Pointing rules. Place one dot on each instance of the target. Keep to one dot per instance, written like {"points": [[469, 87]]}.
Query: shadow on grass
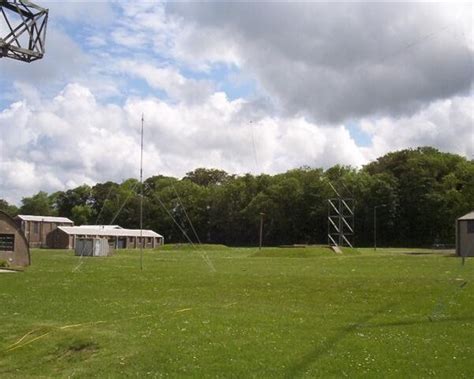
{"points": [[298, 367], [427, 320]]}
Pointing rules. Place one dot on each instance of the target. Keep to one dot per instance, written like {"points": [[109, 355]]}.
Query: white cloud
{"points": [[446, 124], [95, 13], [168, 79], [145, 26], [74, 139], [202, 47]]}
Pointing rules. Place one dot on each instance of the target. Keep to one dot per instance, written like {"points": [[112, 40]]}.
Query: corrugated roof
{"points": [[101, 226], [99, 231], [469, 216], [44, 218]]}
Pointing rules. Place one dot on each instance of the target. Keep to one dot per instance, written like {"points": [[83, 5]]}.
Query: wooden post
{"points": [[261, 231]]}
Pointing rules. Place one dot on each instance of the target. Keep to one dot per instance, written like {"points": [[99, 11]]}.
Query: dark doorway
{"points": [[122, 243]]}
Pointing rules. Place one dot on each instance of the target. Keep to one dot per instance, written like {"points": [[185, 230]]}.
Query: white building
{"points": [[118, 238]]}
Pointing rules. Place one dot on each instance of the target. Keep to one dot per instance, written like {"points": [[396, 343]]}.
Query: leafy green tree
{"points": [[64, 202], [433, 190], [40, 204], [81, 214], [9, 209], [102, 197], [207, 176], [423, 191]]}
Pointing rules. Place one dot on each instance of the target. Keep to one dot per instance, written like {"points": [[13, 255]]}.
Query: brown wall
{"points": [[20, 256], [38, 233], [465, 240], [149, 242], [58, 239]]}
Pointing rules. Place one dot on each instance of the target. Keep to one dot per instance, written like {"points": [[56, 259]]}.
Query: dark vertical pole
{"points": [[261, 231], [341, 225], [329, 224], [375, 228], [375, 223], [141, 196], [41, 232]]}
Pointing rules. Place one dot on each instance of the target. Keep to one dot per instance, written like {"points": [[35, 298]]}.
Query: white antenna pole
{"points": [[141, 196]]}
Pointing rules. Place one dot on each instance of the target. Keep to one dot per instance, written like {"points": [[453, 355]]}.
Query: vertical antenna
{"points": [[141, 196]]}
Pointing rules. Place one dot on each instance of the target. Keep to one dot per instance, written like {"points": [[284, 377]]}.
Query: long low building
{"points": [[64, 237]]}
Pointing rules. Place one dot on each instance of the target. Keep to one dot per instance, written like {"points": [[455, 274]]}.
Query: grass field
{"points": [[241, 313]]}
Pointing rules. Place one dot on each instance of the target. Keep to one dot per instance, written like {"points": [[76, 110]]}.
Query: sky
{"points": [[242, 86]]}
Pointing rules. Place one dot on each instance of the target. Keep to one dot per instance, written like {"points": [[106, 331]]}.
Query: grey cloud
{"points": [[63, 59], [332, 62], [90, 12]]}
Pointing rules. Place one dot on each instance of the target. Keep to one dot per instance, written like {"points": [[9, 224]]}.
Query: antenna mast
{"points": [[141, 195], [22, 30], [340, 219]]}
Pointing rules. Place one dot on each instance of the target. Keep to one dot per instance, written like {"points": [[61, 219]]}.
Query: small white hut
{"points": [[92, 247]]}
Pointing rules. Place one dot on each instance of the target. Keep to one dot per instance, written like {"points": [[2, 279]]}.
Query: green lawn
{"points": [[239, 313]]}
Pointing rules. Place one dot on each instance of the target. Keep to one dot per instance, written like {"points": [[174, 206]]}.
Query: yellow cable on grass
{"points": [[18, 344], [28, 342], [22, 338], [183, 310]]}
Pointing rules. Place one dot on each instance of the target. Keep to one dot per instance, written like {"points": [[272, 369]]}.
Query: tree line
{"points": [[419, 193]]}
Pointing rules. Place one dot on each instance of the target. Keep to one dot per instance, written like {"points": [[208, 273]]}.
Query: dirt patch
{"points": [[77, 349]]}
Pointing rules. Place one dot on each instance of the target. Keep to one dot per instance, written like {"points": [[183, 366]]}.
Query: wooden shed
{"points": [[465, 235], [14, 249]]}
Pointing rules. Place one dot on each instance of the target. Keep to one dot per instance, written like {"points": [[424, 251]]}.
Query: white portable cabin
{"points": [[117, 237], [92, 247]]}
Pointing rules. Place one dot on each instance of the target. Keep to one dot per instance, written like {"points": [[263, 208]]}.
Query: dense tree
{"points": [[39, 204], [422, 192], [9, 209], [81, 214], [431, 192], [207, 177], [65, 202]]}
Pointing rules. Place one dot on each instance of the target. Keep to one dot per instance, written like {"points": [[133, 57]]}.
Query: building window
{"points": [[35, 227], [470, 226], [7, 242]]}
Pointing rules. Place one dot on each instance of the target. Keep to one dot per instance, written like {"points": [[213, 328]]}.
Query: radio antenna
{"points": [[141, 195]]}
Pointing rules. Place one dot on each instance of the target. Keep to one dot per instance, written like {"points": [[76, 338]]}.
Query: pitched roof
{"points": [[97, 230], [44, 218], [469, 216]]}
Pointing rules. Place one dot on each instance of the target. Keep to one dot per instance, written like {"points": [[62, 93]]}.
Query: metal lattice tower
{"points": [[22, 30], [340, 220]]}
